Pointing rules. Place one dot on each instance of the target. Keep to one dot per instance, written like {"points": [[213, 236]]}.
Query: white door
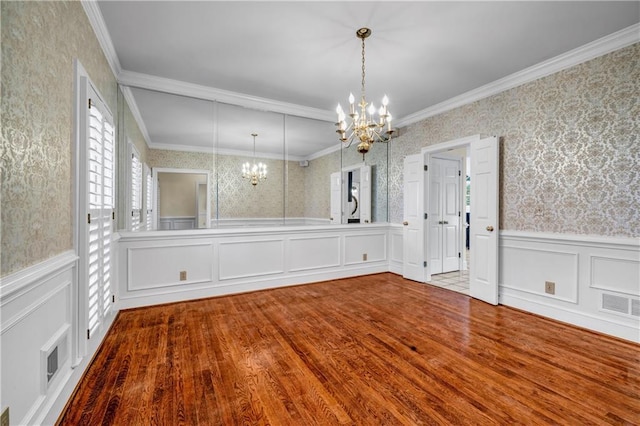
{"points": [[336, 191], [444, 215], [413, 235], [483, 282], [451, 215], [365, 194]]}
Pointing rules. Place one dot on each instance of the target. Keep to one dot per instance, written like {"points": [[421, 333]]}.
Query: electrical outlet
{"points": [[4, 418], [183, 275], [364, 257], [550, 287]]}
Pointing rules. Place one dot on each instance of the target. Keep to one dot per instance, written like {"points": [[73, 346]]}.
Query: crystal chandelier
{"points": [[255, 172], [363, 126]]}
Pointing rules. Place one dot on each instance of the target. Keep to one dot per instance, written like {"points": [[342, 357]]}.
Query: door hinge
{"points": [[426, 216], [113, 298], [459, 255], [113, 215], [425, 264], [89, 103], [426, 168], [88, 217], [459, 214], [88, 334], [459, 173]]}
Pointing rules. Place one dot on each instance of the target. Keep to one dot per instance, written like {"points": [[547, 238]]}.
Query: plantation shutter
{"points": [[100, 167], [148, 198], [136, 191]]}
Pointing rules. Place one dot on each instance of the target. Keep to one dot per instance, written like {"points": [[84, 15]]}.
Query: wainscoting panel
{"points": [[597, 279], [538, 266], [396, 257], [616, 274], [250, 258], [161, 266], [307, 253], [227, 261], [36, 313], [365, 248]]}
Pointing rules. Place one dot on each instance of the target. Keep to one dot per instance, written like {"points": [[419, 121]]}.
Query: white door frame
{"points": [[427, 152], [156, 192]]}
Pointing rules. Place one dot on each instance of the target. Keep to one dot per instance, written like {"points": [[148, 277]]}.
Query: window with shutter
{"points": [[136, 190], [148, 198], [99, 158]]}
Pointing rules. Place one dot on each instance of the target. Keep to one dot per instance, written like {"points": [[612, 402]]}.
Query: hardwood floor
{"points": [[364, 351]]}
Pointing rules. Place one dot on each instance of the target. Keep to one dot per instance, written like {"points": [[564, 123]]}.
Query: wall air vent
{"points": [[611, 302], [54, 356]]}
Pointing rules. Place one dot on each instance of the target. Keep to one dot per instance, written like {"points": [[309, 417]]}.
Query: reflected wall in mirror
{"points": [[179, 132], [182, 199], [375, 167]]}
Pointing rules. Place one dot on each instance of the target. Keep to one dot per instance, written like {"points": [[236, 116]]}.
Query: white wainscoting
{"points": [[36, 312], [221, 261], [176, 222], [586, 271], [396, 257]]}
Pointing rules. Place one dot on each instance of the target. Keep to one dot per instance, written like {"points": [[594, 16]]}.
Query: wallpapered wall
{"points": [[570, 154], [39, 42], [236, 197]]}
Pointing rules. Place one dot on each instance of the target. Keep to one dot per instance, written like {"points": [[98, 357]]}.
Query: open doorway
{"points": [[449, 208]]}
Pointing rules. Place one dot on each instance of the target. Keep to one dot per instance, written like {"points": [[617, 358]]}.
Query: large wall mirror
{"points": [[214, 141]]}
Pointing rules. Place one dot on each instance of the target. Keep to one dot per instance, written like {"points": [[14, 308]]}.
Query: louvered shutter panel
{"points": [[100, 166], [149, 198], [136, 192]]}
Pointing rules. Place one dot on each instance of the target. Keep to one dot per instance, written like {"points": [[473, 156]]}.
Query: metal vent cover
{"points": [[611, 302]]}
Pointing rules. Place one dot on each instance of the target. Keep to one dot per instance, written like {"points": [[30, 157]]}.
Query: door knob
{"points": [[405, 223], [445, 222], [490, 228]]}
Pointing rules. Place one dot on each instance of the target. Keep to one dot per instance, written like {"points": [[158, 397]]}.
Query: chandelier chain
{"points": [[363, 73]]}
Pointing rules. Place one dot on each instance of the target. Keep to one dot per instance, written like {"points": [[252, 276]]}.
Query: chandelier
{"points": [[255, 172], [364, 127]]}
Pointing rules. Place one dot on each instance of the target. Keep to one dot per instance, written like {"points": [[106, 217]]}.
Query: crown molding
{"points": [[602, 46], [233, 152], [177, 87], [135, 111], [92, 10], [324, 152]]}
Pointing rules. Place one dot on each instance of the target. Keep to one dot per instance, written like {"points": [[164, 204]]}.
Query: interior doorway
{"points": [[449, 210], [481, 261]]}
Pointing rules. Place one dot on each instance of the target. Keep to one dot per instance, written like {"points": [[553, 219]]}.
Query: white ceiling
{"points": [[306, 53]]}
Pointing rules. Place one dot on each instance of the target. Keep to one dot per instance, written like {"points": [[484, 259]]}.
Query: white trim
{"points": [[235, 152], [602, 46], [324, 152], [176, 87], [92, 10], [574, 239], [19, 282], [135, 111]]}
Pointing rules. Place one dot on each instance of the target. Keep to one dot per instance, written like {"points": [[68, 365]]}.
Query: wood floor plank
{"points": [[368, 350]]}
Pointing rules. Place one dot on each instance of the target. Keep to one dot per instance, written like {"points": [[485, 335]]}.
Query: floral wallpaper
{"points": [[39, 43], [570, 154], [317, 202]]}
